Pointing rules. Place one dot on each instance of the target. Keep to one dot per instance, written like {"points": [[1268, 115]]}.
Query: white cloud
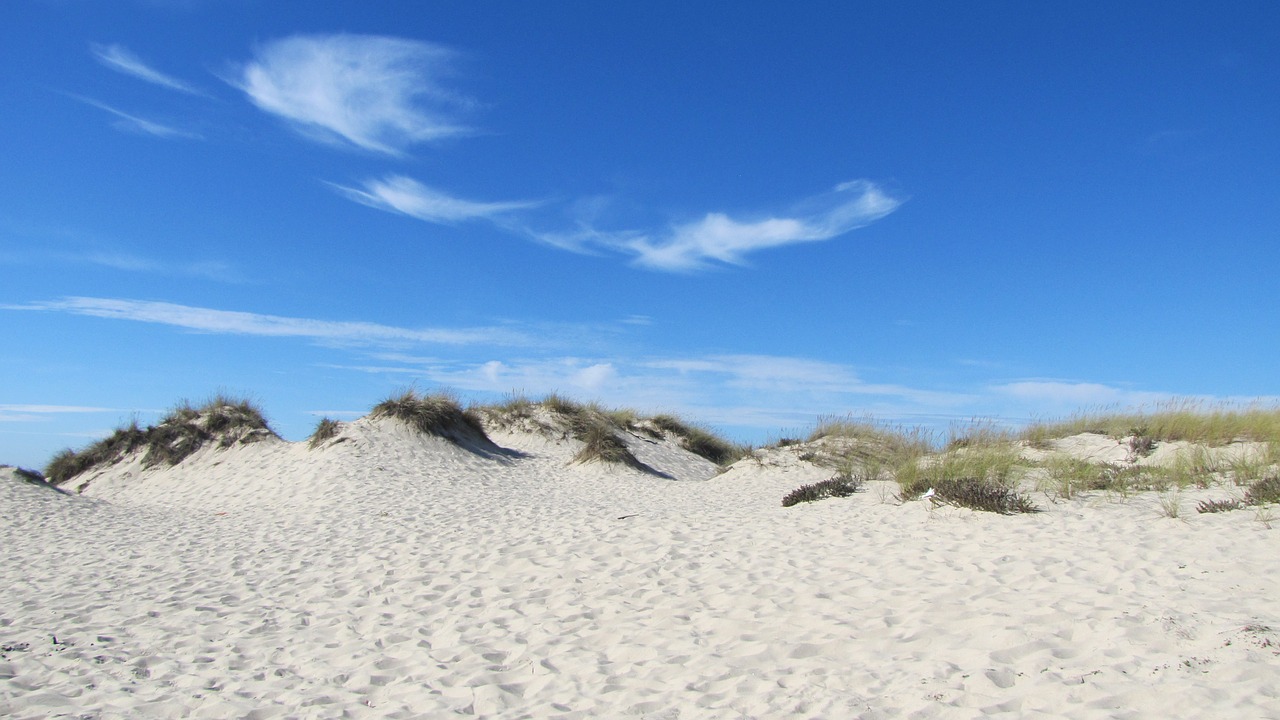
{"points": [[40, 413], [133, 123], [211, 270], [745, 391], [244, 323], [594, 377], [400, 194], [119, 58], [719, 238], [378, 93], [1054, 394]]}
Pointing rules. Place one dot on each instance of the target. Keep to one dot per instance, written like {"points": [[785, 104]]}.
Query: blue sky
{"points": [[751, 214]]}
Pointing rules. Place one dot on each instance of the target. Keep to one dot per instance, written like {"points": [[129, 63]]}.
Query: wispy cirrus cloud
{"points": [[209, 270], [120, 59], [38, 413], [718, 239], [1054, 395], [377, 93], [135, 124], [231, 322], [400, 194], [764, 392]]}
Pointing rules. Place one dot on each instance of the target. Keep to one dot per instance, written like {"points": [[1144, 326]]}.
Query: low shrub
{"points": [[842, 485], [1141, 444], [1266, 490], [980, 494], [1261, 492], [1217, 506]]}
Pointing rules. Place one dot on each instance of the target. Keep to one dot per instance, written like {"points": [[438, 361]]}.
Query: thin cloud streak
{"points": [[406, 196], [210, 270], [1058, 395], [45, 409], [380, 94], [718, 239], [120, 59], [245, 323], [133, 123]]}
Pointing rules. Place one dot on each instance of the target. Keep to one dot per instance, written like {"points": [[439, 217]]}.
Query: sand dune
{"points": [[390, 574]]}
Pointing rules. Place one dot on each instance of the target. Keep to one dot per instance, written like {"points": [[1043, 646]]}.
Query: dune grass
{"points": [[591, 422], [984, 476], [183, 431], [26, 475], [700, 441], [1195, 421], [438, 415], [325, 430]]}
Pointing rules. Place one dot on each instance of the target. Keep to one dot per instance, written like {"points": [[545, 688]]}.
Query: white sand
{"points": [[392, 575]]}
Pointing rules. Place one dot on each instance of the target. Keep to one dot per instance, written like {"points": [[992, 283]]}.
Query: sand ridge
{"points": [[388, 574]]}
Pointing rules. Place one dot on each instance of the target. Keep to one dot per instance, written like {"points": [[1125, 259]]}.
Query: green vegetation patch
{"points": [[1213, 425], [178, 435], [325, 430], [699, 441], [1261, 492], [438, 415], [842, 485]]}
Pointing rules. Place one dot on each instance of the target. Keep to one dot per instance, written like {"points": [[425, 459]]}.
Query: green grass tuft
{"points": [[180, 433], [325, 430], [1194, 421], [699, 441], [438, 415]]}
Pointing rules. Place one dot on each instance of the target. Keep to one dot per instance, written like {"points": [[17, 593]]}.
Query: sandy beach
{"points": [[390, 574]]}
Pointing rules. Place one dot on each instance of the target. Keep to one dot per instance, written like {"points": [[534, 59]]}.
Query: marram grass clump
{"points": [[325, 430], [600, 444], [842, 485], [1191, 420], [178, 435], [699, 441], [438, 415], [600, 429]]}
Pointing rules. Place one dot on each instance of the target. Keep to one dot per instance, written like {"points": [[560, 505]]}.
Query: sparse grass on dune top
{"points": [[180, 433], [326, 429], [1190, 420], [438, 414], [699, 441], [589, 422]]}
